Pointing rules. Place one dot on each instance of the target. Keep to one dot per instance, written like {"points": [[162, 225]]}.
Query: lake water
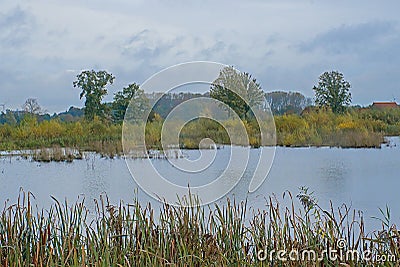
{"points": [[366, 179]]}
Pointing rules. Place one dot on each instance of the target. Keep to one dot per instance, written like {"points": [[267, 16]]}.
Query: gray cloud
{"points": [[147, 45], [16, 27], [216, 48], [351, 38], [286, 45]]}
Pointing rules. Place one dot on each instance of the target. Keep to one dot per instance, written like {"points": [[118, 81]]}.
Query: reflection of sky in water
{"points": [[183, 178], [366, 179]]}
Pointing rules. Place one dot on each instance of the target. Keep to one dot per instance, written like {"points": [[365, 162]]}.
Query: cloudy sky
{"points": [[285, 44]]}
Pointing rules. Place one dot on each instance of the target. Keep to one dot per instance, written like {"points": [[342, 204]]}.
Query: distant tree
{"points": [[167, 102], [32, 106], [122, 99], [75, 112], [67, 118], [287, 102], [93, 84], [240, 91], [9, 118], [333, 91]]}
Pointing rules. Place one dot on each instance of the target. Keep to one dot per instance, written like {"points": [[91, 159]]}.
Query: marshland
{"points": [[334, 180], [199, 133], [358, 128], [127, 227], [232, 234]]}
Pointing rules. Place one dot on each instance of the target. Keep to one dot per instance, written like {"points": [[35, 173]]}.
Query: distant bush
{"points": [[357, 128], [31, 134]]}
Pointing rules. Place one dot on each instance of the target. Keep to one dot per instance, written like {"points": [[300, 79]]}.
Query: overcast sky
{"points": [[286, 45]]}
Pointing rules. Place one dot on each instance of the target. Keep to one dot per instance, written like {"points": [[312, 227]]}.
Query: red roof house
{"points": [[385, 105]]}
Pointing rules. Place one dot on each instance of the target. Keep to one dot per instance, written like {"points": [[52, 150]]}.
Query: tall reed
{"points": [[187, 234]]}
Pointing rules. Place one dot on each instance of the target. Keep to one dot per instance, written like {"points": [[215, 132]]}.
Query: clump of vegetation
{"points": [[193, 132], [57, 154], [186, 234], [97, 135], [356, 128]]}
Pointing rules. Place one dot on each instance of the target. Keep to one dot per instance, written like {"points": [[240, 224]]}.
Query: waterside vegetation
{"points": [[189, 234], [359, 127]]}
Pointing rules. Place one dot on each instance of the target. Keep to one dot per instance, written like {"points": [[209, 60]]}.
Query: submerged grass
{"points": [[219, 235]]}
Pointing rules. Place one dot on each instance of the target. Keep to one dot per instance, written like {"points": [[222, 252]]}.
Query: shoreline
{"points": [[68, 154]]}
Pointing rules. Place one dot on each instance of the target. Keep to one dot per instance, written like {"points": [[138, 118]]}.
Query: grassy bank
{"points": [[356, 128], [228, 235], [97, 135]]}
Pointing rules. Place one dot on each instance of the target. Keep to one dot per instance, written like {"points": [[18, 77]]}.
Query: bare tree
{"points": [[32, 106]]}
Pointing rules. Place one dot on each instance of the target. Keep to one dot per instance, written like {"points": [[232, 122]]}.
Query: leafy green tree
{"points": [[240, 91], [140, 103], [333, 91], [93, 84]]}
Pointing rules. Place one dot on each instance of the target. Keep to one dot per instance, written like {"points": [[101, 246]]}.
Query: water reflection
{"points": [[334, 173]]}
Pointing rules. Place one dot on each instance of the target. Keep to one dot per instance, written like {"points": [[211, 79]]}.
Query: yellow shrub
{"points": [[290, 123], [348, 125], [49, 129]]}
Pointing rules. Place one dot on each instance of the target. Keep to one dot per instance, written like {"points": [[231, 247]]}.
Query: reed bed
{"points": [[358, 128], [186, 234]]}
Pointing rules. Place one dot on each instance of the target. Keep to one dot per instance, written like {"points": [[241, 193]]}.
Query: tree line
{"points": [[240, 91]]}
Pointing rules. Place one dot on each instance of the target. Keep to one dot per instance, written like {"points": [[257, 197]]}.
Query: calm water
{"points": [[366, 179]]}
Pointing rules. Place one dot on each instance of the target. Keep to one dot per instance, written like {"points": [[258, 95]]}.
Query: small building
{"points": [[384, 105]]}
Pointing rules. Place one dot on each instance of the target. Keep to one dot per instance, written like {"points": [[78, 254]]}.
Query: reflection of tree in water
{"points": [[334, 175], [335, 170], [95, 178]]}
